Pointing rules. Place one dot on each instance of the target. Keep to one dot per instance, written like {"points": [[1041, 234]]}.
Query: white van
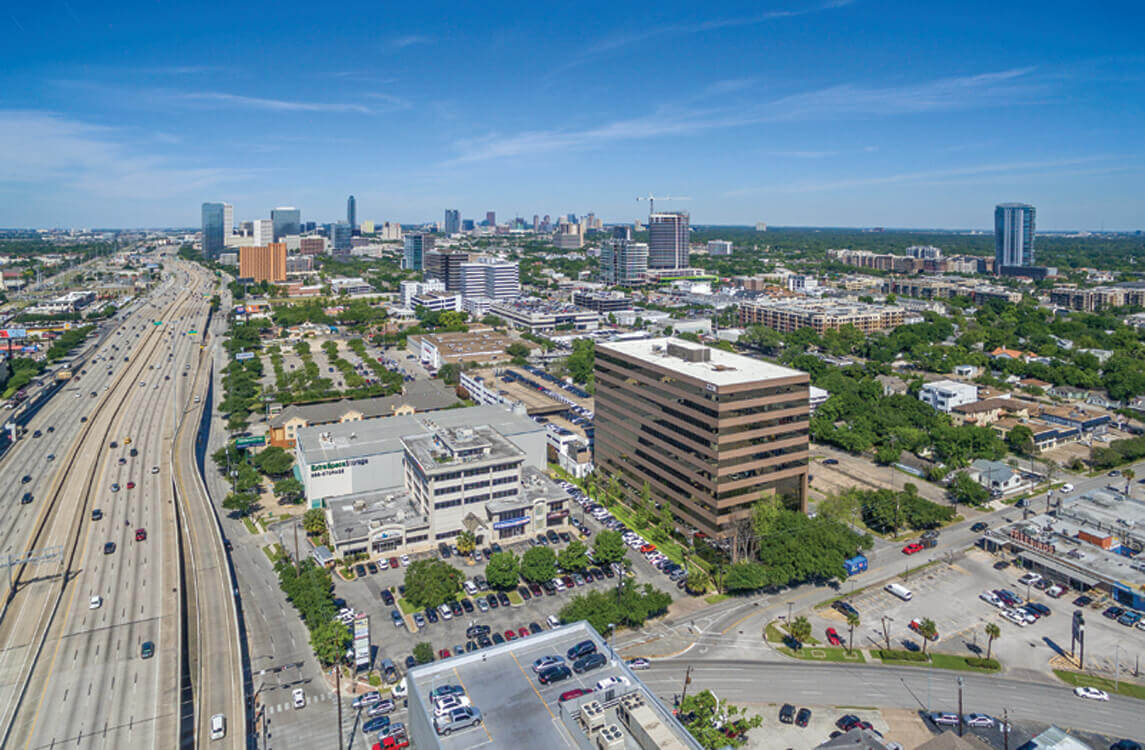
{"points": [[218, 727], [902, 592]]}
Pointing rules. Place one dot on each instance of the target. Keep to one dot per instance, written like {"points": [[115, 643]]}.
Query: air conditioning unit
{"points": [[591, 716], [610, 738]]}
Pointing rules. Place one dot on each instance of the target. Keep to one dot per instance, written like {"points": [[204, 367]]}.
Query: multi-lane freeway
{"points": [[93, 635]]}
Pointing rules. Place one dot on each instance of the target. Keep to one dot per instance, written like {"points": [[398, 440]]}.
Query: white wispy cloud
{"points": [[409, 40], [46, 148], [849, 100], [619, 41], [278, 105]]}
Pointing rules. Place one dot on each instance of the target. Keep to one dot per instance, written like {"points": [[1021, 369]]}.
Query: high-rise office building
{"points": [[286, 220], [215, 229], [668, 238], [468, 225], [228, 221], [415, 248], [536, 222], [262, 232], [710, 432], [491, 278], [246, 228], [452, 221], [622, 261], [491, 218], [1014, 232], [445, 265], [263, 263], [352, 212], [340, 238]]}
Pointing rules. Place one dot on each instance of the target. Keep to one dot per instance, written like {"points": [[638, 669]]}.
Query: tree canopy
{"points": [[431, 583]]}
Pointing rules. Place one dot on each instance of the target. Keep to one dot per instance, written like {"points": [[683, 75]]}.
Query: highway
{"points": [[70, 673]]}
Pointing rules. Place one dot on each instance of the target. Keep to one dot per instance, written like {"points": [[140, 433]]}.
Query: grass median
{"points": [[1077, 679]]}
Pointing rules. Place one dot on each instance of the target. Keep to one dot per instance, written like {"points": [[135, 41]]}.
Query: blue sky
{"points": [[843, 113]]}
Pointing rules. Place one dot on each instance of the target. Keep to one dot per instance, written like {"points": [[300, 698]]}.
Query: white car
{"points": [[447, 703], [545, 662], [1067, 488], [1091, 693], [404, 559], [990, 598], [611, 682], [1014, 616], [154, 469], [299, 698], [639, 663], [979, 720], [95, 603]]}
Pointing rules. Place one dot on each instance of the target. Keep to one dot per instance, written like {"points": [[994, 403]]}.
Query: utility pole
{"points": [[297, 561], [338, 697], [959, 706], [687, 681], [1005, 729], [886, 633]]}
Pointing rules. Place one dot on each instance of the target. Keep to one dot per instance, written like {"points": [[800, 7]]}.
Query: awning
{"points": [[1060, 568]]}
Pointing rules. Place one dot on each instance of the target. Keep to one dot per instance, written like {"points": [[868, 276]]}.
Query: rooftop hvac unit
{"points": [[592, 716], [631, 701], [610, 738]]}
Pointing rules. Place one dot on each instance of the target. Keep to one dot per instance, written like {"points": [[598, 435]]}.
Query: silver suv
{"points": [[458, 718]]}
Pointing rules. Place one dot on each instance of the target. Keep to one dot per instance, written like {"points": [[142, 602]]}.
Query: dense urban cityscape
{"points": [[684, 377]]}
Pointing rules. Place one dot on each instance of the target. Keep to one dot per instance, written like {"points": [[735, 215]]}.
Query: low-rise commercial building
{"points": [[719, 247], [821, 315], [408, 483], [602, 302], [436, 301], [351, 285], [541, 316], [437, 349]]}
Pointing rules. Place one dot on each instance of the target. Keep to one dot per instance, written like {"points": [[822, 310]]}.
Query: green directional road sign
{"points": [[247, 442]]}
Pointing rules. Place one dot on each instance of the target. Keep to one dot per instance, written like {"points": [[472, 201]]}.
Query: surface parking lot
{"points": [[949, 595], [517, 711]]}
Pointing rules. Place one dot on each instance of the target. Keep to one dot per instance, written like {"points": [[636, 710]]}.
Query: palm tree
{"points": [[852, 622], [1128, 474], [800, 629], [992, 632], [466, 542], [927, 629]]}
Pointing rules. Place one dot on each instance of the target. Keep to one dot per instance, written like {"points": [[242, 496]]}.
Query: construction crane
{"points": [[653, 198]]}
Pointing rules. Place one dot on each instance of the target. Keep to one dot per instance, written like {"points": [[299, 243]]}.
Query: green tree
{"points": [[450, 374], [517, 349], [800, 629], [928, 630], [288, 490], [1020, 439], [745, 576], [241, 503], [314, 521], [539, 564], [697, 580], [582, 360], [466, 542], [993, 632], [329, 641], [609, 547], [423, 653], [503, 570], [431, 583], [965, 490], [705, 716], [574, 557]]}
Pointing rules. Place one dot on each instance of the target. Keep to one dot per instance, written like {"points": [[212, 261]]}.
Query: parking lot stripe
{"points": [[534, 687], [462, 683]]}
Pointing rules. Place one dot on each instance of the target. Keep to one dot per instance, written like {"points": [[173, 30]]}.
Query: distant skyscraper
{"points": [[668, 238], [622, 232], [214, 229], [352, 212], [536, 222], [491, 218], [287, 220], [228, 221], [1013, 235], [467, 225], [452, 221], [340, 238], [416, 246], [262, 231]]}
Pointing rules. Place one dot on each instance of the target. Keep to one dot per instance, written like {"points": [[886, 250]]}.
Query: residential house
{"points": [[995, 476], [944, 395]]}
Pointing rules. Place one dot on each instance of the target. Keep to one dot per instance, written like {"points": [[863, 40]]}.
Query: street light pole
{"points": [[959, 706]]}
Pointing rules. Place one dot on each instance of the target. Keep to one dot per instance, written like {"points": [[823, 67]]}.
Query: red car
{"points": [[911, 548], [444, 654], [510, 635], [394, 562], [140, 534], [131, 485], [914, 625], [833, 637], [523, 632], [568, 695]]}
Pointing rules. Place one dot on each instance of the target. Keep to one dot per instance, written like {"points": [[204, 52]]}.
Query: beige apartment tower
{"points": [[267, 263], [711, 432]]}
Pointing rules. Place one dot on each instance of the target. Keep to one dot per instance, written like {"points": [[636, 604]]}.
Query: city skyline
{"points": [[798, 113]]}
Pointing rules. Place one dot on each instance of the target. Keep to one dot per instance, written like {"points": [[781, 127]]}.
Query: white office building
{"points": [[491, 278], [411, 289], [719, 247], [263, 232], [944, 395]]}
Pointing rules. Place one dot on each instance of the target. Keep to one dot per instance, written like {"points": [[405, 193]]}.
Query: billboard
{"points": [[243, 356], [13, 333], [511, 523], [362, 640]]}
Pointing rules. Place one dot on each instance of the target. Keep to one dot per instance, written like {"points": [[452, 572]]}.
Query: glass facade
{"points": [[214, 229], [1014, 230], [286, 220]]}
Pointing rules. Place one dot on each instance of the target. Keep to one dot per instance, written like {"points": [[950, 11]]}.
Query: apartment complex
{"points": [[711, 432], [719, 247], [919, 259], [822, 315], [668, 237], [932, 287], [1014, 231], [1098, 298], [266, 263], [623, 262]]}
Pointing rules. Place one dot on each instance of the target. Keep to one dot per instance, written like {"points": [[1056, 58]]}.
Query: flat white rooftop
{"points": [[719, 368]]}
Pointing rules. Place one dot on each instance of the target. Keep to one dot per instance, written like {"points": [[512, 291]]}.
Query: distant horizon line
{"points": [[770, 227]]}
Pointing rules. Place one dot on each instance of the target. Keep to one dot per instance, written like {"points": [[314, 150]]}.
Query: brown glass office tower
{"points": [[710, 431]]}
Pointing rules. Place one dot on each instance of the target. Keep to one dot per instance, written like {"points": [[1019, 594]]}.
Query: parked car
{"points": [[787, 714]]}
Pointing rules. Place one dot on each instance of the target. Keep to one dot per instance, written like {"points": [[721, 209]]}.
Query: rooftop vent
{"points": [[592, 716], [610, 738], [689, 353]]}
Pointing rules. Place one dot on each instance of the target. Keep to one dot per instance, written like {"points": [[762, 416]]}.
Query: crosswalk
{"points": [[275, 708]]}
